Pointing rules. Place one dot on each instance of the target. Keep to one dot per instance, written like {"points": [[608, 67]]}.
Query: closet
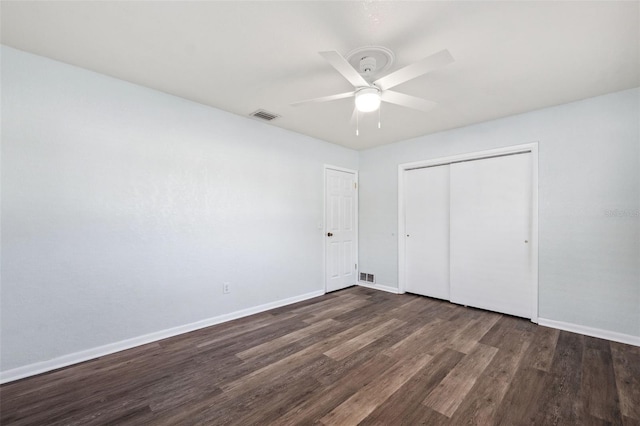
{"points": [[468, 231]]}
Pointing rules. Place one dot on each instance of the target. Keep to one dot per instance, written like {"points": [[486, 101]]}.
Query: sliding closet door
{"points": [[427, 231], [490, 233]]}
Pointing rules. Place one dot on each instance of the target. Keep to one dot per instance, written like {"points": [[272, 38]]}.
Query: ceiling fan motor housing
{"points": [[377, 59], [368, 65]]}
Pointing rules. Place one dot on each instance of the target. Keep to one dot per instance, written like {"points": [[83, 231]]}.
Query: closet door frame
{"points": [[515, 149]]}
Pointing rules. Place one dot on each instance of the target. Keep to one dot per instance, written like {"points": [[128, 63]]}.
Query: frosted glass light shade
{"points": [[367, 100]]}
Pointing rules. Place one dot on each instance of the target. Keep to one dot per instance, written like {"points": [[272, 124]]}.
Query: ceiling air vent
{"points": [[264, 115]]}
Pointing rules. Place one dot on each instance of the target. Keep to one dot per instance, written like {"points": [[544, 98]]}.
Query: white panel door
{"points": [[490, 232], [427, 231], [340, 229]]}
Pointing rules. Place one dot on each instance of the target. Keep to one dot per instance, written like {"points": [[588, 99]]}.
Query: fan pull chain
{"points": [[357, 123], [379, 108]]}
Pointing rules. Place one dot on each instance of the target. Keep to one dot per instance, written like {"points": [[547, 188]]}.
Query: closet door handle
{"points": [[329, 234]]}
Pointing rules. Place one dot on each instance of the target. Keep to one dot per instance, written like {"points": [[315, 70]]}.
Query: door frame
{"points": [[324, 221], [478, 155]]}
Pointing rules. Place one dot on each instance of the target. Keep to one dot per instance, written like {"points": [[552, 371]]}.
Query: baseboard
{"points": [[86, 355], [386, 288], [589, 331]]}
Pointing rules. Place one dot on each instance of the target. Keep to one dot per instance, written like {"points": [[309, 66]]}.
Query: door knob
{"points": [[329, 234]]}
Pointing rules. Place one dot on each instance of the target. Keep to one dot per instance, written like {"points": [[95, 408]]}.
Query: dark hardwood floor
{"points": [[356, 356]]}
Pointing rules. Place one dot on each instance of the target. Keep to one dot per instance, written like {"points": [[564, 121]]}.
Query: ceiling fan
{"points": [[368, 95]]}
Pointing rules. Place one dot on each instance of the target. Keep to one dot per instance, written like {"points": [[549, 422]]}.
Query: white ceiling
{"points": [[511, 57]]}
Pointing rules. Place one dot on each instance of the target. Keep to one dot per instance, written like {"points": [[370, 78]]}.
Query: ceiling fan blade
{"points": [[344, 67], [325, 98], [430, 63], [407, 101]]}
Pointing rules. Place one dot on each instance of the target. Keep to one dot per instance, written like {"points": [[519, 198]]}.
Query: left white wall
{"points": [[125, 209]]}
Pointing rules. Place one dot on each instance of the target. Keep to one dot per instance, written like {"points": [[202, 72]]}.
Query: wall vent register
{"points": [[369, 278]]}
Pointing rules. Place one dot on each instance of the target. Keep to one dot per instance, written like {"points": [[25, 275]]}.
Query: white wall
{"points": [[125, 209], [589, 164]]}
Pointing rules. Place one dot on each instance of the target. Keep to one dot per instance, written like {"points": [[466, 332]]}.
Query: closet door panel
{"points": [[427, 231], [490, 229]]}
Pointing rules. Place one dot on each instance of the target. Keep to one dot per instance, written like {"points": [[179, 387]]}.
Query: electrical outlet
{"points": [[226, 288]]}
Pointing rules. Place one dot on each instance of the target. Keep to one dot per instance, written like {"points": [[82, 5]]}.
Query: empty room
{"points": [[320, 212]]}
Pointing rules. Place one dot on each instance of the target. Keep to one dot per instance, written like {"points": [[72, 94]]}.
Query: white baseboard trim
{"points": [[593, 332], [386, 288], [77, 357]]}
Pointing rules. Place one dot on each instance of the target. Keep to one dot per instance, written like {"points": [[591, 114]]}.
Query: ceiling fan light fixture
{"points": [[367, 99]]}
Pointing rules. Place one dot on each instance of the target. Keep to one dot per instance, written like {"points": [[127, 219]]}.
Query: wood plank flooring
{"points": [[356, 356]]}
